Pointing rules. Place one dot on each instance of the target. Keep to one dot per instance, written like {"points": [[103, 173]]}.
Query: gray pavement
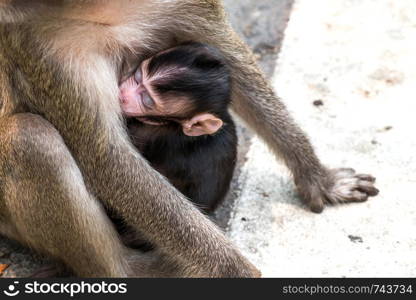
{"points": [[261, 24], [356, 58]]}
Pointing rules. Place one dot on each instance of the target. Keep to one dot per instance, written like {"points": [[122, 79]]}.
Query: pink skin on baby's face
{"points": [[131, 98], [138, 100], [135, 98]]}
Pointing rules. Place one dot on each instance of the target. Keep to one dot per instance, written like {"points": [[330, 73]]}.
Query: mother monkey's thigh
{"points": [[43, 195]]}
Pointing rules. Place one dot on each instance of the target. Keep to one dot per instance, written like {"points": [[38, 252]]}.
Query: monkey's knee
{"points": [[32, 157], [18, 124], [28, 139], [48, 204]]}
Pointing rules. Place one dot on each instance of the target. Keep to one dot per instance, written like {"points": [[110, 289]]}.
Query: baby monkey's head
{"points": [[189, 84]]}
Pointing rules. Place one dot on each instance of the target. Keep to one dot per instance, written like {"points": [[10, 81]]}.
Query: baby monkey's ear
{"points": [[202, 124]]}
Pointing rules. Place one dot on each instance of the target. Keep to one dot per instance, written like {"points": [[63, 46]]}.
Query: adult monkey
{"points": [[64, 150]]}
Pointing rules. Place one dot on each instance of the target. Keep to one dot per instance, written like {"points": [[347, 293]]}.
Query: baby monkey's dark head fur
{"points": [[196, 72]]}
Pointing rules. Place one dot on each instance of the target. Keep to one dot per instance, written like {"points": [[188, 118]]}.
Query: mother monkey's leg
{"points": [[45, 204]]}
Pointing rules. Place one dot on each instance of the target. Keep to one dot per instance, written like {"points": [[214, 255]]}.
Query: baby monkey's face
{"points": [[137, 97], [139, 100]]}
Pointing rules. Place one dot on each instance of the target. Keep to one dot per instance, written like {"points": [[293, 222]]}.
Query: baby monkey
{"points": [[176, 105]]}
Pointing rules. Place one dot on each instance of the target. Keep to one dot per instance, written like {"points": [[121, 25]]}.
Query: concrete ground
{"points": [[347, 73]]}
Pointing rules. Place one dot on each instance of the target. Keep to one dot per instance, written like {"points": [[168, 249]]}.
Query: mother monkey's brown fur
{"points": [[64, 152]]}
